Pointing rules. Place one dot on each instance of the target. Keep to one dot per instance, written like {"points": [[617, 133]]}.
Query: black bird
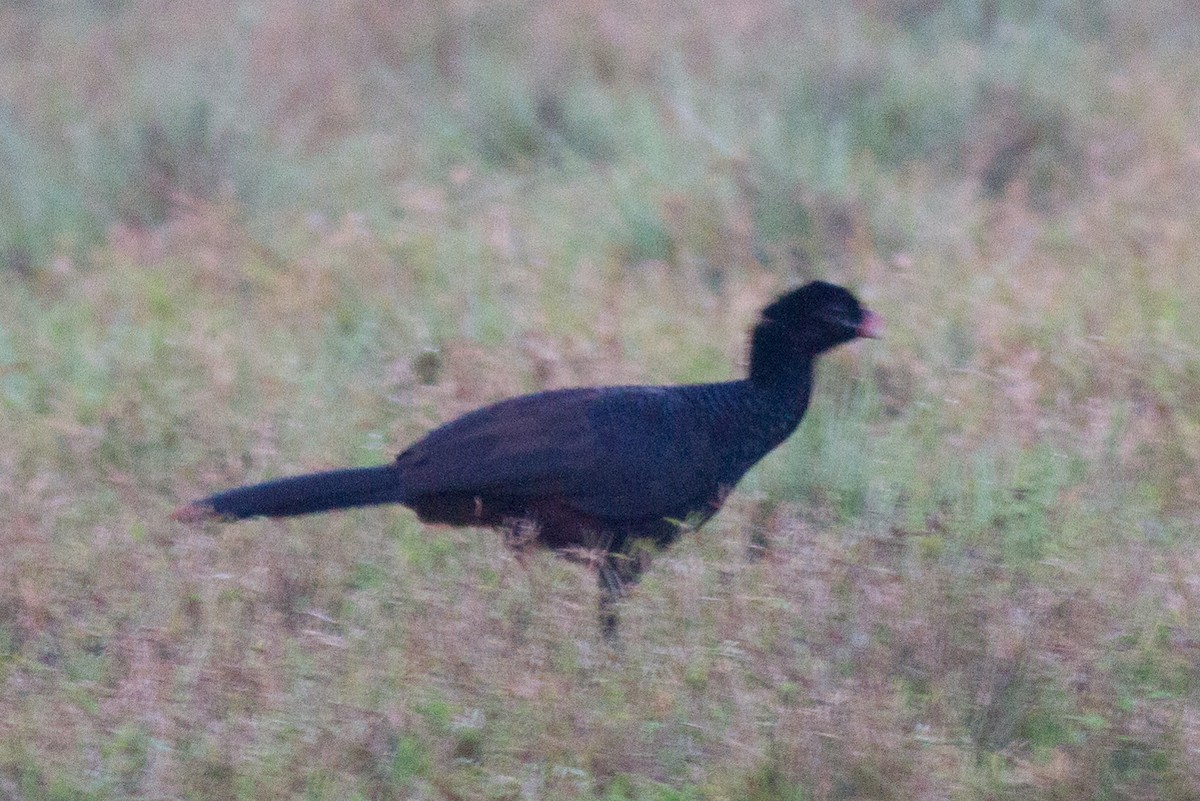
{"points": [[594, 471]]}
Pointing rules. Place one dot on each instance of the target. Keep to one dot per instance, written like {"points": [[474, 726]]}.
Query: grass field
{"points": [[240, 240]]}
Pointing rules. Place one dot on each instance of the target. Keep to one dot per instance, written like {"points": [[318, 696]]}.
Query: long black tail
{"points": [[300, 495]]}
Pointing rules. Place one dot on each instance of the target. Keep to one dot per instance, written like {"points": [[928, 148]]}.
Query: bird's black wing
{"points": [[619, 453]]}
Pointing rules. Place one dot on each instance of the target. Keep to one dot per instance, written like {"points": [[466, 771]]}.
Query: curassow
{"points": [[592, 472]]}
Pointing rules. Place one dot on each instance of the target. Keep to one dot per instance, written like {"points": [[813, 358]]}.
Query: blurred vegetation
{"points": [[239, 240]]}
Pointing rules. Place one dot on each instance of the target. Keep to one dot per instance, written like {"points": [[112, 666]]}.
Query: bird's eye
{"points": [[840, 316]]}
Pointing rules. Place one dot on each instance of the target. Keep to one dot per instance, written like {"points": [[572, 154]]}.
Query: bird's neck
{"points": [[756, 418], [786, 389], [777, 366]]}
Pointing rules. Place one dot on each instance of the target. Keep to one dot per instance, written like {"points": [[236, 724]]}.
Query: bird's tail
{"points": [[299, 495]]}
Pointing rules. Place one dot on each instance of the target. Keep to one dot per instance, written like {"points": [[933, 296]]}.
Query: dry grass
{"points": [[244, 240]]}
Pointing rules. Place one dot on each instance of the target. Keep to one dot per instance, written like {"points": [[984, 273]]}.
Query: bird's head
{"points": [[806, 322]]}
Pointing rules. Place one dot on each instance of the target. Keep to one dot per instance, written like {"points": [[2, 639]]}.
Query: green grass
{"points": [[253, 240]]}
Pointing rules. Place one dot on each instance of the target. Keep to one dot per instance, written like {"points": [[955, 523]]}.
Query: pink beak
{"points": [[871, 325]]}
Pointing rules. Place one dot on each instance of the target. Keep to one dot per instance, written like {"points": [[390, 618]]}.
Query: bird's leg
{"points": [[520, 536], [618, 572], [611, 586]]}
